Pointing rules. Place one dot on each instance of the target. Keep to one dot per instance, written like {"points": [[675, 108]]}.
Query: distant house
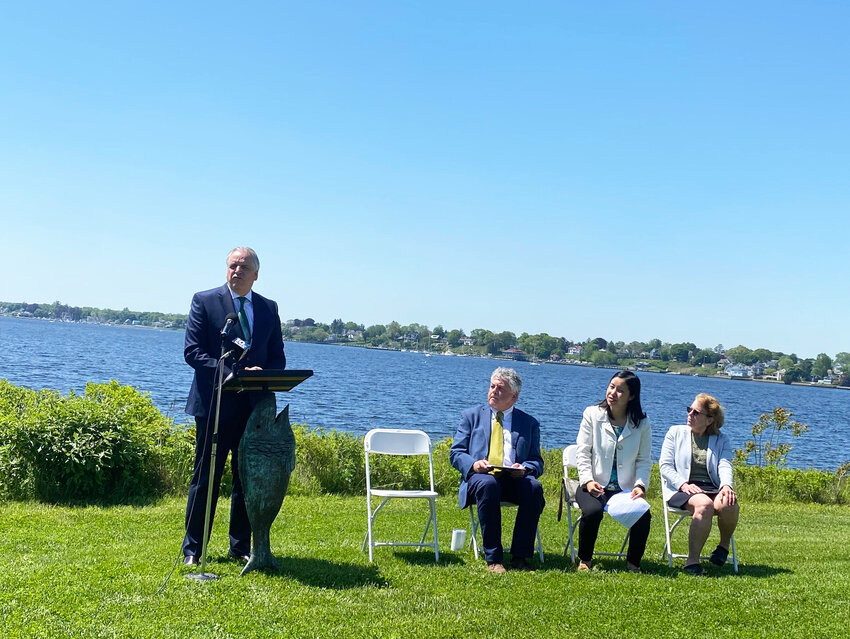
{"points": [[578, 350], [515, 353], [467, 341], [739, 371]]}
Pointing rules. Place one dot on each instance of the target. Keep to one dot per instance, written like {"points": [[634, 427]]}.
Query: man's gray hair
{"points": [[510, 376], [249, 252]]}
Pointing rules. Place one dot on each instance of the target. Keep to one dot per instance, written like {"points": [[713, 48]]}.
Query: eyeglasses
{"points": [[694, 411]]}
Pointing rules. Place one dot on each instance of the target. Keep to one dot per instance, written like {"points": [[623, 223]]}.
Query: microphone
{"points": [[228, 324]]}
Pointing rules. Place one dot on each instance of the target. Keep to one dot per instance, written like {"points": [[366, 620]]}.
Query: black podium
{"points": [[268, 380], [275, 380]]}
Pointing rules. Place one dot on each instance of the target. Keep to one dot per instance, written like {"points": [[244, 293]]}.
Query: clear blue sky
{"points": [[628, 170]]}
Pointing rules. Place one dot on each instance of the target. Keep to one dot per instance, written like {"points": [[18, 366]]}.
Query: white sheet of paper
{"points": [[625, 510]]}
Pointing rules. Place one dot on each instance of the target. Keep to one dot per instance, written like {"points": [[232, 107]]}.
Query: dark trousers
{"points": [[235, 414], [591, 517], [488, 491]]}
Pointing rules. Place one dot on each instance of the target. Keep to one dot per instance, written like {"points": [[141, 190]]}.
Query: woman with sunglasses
{"points": [[696, 474], [614, 445]]}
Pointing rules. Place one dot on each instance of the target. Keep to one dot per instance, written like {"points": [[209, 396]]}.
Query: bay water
{"points": [[356, 389]]}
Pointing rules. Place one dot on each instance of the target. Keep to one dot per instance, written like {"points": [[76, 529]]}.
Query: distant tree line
{"points": [[542, 346], [63, 312], [597, 351]]}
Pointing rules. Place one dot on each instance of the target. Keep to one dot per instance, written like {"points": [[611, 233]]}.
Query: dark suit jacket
{"points": [[472, 442], [202, 347]]}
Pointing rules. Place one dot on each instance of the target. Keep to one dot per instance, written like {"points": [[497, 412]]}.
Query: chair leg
{"points": [[539, 545], [434, 522], [622, 552], [734, 553], [473, 524]]}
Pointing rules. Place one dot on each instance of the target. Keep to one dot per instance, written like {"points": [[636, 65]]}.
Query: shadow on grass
{"points": [[662, 569], [321, 573], [423, 558]]}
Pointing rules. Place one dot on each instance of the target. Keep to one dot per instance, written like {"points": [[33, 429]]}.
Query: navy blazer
{"points": [[202, 347], [472, 442]]}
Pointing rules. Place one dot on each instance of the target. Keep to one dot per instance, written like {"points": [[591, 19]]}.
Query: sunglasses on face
{"points": [[694, 411]]}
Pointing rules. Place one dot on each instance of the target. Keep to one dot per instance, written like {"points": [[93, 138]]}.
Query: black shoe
{"points": [[693, 569], [719, 556], [237, 557], [521, 563], [190, 560]]}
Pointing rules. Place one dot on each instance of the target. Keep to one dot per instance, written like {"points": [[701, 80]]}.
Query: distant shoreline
{"points": [[480, 356], [587, 365]]}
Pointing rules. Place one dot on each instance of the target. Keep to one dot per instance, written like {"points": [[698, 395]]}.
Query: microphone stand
{"points": [[203, 575]]}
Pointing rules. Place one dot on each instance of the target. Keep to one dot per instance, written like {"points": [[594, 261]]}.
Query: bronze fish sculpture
{"points": [[266, 460]]}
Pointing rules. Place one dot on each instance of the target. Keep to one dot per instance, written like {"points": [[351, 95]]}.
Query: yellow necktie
{"points": [[497, 442]]}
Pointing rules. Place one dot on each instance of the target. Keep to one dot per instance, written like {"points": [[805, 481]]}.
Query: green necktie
{"points": [[243, 319], [497, 442]]}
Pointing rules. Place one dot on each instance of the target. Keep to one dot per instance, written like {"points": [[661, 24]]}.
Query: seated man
{"points": [[476, 453]]}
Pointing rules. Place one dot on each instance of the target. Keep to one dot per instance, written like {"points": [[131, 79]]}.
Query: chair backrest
{"points": [[397, 441], [569, 459]]}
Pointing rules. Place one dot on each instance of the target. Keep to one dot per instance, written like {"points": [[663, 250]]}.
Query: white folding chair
{"points": [[473, 523], [681, 514], [394, 441], [569, 487]]}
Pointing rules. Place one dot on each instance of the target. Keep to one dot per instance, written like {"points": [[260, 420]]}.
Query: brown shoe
{"points": [[520, 563], [583, 566], [496, 568]]}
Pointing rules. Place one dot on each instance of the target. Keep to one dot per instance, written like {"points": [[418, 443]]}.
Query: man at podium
{"points": [[222, 315]]}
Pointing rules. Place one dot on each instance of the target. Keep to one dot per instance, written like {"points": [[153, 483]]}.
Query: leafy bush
{"points": [[109, 445], [765, 446], [784, 485]]}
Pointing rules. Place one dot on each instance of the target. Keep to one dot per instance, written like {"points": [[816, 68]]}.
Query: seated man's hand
{"points": [[518, 470], [481, 466]]}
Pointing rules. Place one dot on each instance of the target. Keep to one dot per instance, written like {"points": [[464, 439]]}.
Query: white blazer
{"points": [[676, 455], [596, 444]]}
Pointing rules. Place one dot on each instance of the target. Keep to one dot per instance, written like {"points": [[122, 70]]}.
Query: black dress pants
{"points": [[591, 517], [235, 412]]}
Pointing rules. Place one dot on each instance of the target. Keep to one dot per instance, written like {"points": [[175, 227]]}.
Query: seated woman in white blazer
{"points": [[614, 446], [696, 474]]}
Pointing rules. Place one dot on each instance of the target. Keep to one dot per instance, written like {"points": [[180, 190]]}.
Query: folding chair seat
{"points": [[680, 515], [393, 441], [569, 488], [473, 523]]}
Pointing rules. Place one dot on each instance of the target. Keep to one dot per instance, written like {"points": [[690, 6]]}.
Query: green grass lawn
{"points": [[95, 572]]}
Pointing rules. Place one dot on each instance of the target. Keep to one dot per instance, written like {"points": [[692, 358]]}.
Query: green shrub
{"points": [[784, 485], [109, 445]]}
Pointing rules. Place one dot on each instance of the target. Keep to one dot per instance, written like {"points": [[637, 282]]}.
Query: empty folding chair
{"points": [[392, 441]]}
